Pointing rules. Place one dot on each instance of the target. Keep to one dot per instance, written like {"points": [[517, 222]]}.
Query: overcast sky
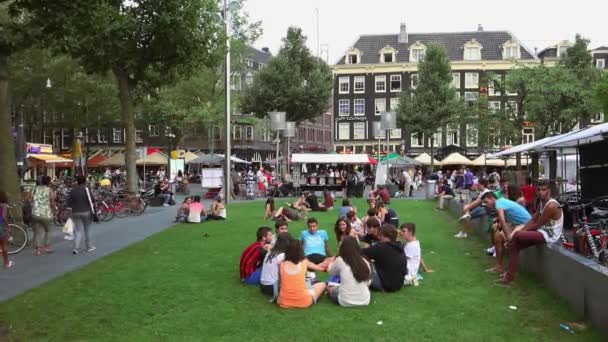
{"points": [[535, 23]]}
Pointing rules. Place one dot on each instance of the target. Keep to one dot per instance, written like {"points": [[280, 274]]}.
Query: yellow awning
{"points": [[49, 158]]}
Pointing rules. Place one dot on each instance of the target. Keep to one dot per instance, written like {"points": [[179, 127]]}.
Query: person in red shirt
{"points": [[529, 192], [384, 195], [252, 257]]}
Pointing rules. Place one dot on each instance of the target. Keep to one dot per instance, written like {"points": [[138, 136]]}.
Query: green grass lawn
{"points": [[179, 285]]}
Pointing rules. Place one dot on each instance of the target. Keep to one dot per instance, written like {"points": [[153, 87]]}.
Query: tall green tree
{"points": [[579, 62], [601, 95], [145, 44], [294, 82], [433, 104], [12, 39]]}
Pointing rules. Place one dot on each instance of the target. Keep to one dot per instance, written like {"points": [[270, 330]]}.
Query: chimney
{"points": [[402, 34], [479, 28], [266, 49], [536, 50]]}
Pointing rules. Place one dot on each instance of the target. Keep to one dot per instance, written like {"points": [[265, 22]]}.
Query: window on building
{"points": [[66, 139], [456, 80], [494, 85], [511, 52], [101, 136], [472, 136], [396, 133], [380, 106], [453, 133], [598, 118], [319, 135], [388, 57], [352, 59], [344, 85], [344, 131], [117, 135], [359, 130], [249, 133], [327, 136], [527, 135], [437, 138], [561, 51], [394, 104], [235, 83], [139, 135], [470, 97], [600, 64], [359, 84], [512, 107], [343, 107], [413, 81], [359, 107], [458, 94], [472, 53], [417, 140], [417, 55], [380, 84], [153, 130], [237, 132], [248, 79], [395, 82], [493, 107], [471, 80], [508, 91]]}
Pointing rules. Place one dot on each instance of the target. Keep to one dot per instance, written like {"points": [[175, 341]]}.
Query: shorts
{"points": [[316, 258], [267, 290]]}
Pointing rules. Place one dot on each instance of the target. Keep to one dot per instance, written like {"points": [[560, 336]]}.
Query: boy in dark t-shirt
{"points": [[389, 264]]}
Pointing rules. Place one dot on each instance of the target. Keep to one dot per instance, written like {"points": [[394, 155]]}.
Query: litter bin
{"points": [[430, 189]]}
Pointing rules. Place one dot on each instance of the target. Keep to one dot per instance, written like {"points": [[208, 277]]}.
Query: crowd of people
{"points": [[368, 255]]}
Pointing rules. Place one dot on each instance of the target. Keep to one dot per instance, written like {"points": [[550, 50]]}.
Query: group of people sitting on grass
{"points": [[193, 211], [368, 257], [514, 227], [298, 210]]}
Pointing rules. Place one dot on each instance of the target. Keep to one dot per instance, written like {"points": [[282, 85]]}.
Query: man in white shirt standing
{"points": [[407, 182]]}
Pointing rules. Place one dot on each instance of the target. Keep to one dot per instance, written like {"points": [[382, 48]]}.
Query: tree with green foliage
{"points": [[433, 104], [12, 40], [601, 95], [145, 44], [579, 62], [294, 82]]}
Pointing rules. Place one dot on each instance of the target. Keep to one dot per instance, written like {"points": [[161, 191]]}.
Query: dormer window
{"points": [[472, 51], [562, 48], [353, 56], [387, 55], [417, 52], [511, 50]]}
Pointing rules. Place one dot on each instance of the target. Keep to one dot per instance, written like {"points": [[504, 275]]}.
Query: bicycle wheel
{"points": [[137, 206], [122, 209], [17, 238], [109, 211]]}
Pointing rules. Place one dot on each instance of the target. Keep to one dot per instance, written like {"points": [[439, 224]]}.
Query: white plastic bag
{"points": [[68, 229]]}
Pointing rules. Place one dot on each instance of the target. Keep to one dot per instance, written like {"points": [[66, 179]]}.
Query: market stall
{"points": [[392, 166], [425, 159]]}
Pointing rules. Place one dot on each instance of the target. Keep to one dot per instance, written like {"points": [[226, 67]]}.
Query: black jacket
{"points": [[390, 262], [78, 201]]}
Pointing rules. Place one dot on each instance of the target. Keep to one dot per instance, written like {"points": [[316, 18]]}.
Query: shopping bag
{"points": [[68, 229]]}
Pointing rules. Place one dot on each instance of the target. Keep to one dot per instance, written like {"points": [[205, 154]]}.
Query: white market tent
{"points": [[585, 136], [486, 160], [425, 159], [456, 159], [331, 158]]}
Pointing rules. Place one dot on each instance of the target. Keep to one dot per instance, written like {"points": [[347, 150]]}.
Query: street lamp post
{"points": [[277, 123], [388, 121], [290, 132]]}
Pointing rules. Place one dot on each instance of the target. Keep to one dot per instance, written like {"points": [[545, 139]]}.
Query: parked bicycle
{"points": [[594, 233], [18, 235]]}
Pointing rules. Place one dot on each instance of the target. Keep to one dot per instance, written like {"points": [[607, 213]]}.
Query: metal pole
{"points": [[228, 152], [288, 156], [387, 152], [276, 169], [20, 146]]}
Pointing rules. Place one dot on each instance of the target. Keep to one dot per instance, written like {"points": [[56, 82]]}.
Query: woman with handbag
{"points": [[81, 203]]}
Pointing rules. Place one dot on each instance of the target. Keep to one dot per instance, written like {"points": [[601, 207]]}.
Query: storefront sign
{"points": [[351, 118], [38, 148]]}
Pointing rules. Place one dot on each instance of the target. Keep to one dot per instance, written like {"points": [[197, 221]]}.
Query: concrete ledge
{"points": [[580, 281]]}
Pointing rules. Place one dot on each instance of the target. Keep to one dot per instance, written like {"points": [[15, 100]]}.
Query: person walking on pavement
{"points": [[43, 210], [82, 209]]}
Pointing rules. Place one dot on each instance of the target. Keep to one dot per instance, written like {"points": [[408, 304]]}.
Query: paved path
{"points": [[31, 271]]}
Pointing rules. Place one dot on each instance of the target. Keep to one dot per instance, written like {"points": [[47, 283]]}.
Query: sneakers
{"points": [[461, 235], [410, 280], [466, 216], [75, 251], [92, 248], [491, 251], [166, 205]]}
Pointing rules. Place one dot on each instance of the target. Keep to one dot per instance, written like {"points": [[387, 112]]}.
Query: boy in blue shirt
{"points": [[315, 242], [510, 217]]}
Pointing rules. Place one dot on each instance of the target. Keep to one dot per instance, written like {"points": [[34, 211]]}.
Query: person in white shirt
{"points": [[269, 278], [408, 183], [412, 252], [355, 223], [355, 275]]}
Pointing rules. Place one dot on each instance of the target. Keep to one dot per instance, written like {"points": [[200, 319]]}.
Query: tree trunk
{"points": [[9, 180], [430, 172], [534, 166], [128, 119]]}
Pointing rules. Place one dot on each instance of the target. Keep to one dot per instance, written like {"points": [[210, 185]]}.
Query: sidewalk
{"points": [[31, 271]]}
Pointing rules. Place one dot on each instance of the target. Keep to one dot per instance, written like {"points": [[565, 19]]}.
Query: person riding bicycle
{"points": [[4, 229]]}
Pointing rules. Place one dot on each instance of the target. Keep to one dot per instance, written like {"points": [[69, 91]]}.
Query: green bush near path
{"points": [[180, 285]]}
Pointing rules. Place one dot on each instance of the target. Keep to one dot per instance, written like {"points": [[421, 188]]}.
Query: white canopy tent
{"points": [[585, 136], [331, 158], [456, 159], [425, 159]]}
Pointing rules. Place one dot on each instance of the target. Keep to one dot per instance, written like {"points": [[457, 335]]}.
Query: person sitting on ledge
{"points": [[510, 217], [545, 227]]}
